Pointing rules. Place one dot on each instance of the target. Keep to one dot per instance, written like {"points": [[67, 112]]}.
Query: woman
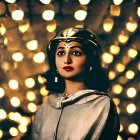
{"points": [[78, 107]]}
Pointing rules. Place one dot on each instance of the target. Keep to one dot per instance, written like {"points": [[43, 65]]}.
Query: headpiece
{"points": [[74, 34]]}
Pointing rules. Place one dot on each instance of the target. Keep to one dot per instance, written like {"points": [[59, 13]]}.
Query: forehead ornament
{"points": [[69, 32]]}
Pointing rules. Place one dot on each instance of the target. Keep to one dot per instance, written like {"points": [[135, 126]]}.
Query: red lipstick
{"points": [[68, 68]]}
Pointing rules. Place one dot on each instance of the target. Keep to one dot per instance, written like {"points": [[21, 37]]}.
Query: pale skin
{"points": [[70, 54]]}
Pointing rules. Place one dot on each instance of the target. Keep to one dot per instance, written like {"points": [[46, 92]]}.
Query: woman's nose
{"points": [[68, 59]]}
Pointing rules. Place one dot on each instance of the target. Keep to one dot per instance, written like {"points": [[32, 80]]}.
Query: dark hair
{"points": [[96, 79]]}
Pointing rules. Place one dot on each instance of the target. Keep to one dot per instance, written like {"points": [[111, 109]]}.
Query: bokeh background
{"points": [[26, 26]]}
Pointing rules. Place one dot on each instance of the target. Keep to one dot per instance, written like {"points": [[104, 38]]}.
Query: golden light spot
{"points": [[130, 74], [112, 75], [133, 128], [131, 108], [107, 57], [13, 131], [117, 88], [131, 92], [30, 82]]}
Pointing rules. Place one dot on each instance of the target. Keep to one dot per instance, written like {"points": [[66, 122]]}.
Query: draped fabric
{"points": [[84, 115]]}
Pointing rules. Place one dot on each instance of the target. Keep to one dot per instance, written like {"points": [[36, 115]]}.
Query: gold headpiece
{"points": [[69, 32]]}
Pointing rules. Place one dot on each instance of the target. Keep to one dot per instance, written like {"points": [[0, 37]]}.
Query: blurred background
{"points": [[26, 27]]}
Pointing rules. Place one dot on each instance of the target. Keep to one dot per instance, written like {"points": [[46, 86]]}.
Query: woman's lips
{"points": [[68, 68]]}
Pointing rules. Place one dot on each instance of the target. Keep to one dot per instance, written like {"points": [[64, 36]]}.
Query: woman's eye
{"points": [[76, 53], [60, 53]]}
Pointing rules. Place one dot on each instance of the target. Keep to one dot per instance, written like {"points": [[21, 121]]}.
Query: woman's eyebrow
{"points": [[60, 48]]}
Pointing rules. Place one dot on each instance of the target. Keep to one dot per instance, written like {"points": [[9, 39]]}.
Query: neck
{"points": [[72, 86]]}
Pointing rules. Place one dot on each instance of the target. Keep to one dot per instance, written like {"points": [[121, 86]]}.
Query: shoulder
{"points": [[100, 97], [106, 100], [94, 97], [101, 100], [104, 103], [41, 113], [47, 105]]}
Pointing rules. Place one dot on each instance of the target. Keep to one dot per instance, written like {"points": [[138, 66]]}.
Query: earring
{"points": [[56, 78], [90, 68]]}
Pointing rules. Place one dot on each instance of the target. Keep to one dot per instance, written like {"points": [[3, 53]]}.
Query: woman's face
{"points": [[70, 60]]}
